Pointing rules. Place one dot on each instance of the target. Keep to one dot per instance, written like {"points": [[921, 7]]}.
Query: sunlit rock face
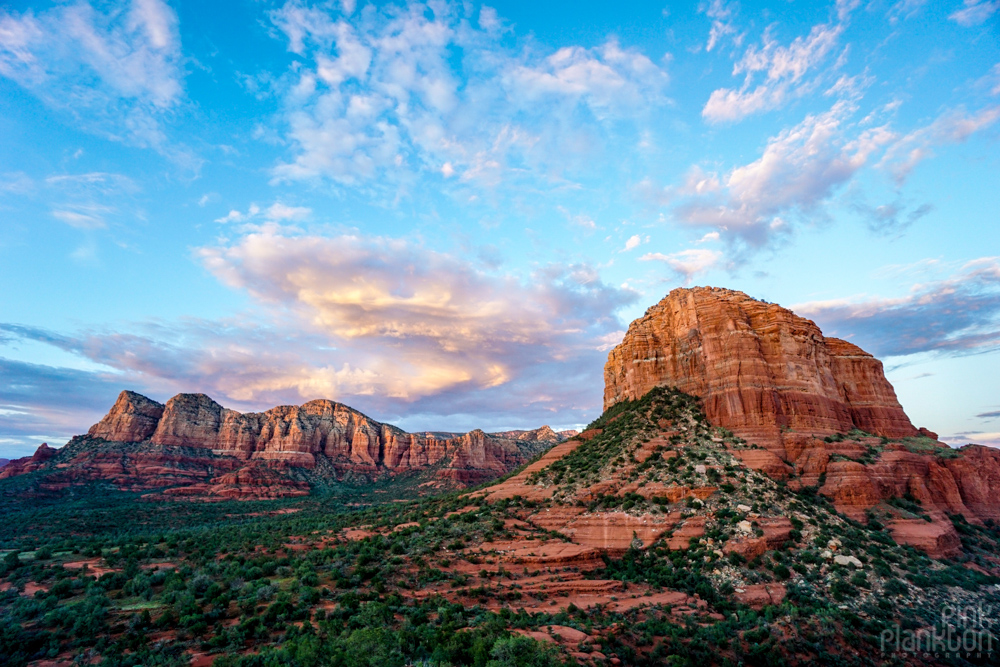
{"points": [[192, 439], [773, 379], [133, 418], [193, 447], [761, 370]]}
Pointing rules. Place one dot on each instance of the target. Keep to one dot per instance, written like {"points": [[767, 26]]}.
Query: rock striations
{"points": [[213, 451], [761, 370], [820, 407]]}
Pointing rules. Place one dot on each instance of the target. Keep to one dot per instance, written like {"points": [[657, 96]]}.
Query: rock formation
{"points": [[187, 443], [133, 418], [762, 371], [773, 379], [28, 463]]}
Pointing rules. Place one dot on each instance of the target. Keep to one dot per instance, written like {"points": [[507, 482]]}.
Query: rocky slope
{"points": [[652, 478], [192, 446], [820, 408]]}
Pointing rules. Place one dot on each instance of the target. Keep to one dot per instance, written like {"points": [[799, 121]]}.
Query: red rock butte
{"points": [[761, 371]]}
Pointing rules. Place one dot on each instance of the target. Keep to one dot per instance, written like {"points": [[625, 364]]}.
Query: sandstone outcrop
{"points": [[188, 442], [773, 379], [133, 418], [762, 371], [28, 463]]}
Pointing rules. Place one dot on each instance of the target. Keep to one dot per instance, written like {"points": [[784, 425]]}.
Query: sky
{"points": [[446, 214]]}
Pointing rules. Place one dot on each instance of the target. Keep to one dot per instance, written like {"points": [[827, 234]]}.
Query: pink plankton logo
{"points": [[963, 632]]}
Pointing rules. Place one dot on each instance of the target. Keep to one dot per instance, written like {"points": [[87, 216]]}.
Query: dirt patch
{"points": [[31, 588], [354, 534], [93, 565]]}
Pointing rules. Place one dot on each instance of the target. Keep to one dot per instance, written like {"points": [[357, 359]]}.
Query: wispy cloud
{"points": [[722, 14], [975, 12], [783, 69], [115, 73], [973, 437], [891, 218], [382, 96], [83, 216], [44, 403], [276, 212], [957, 315], [799, 169], [951, 127], [686, 263]]}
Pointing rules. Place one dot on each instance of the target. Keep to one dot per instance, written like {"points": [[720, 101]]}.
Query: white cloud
{"points": [[951, 127], [632, 243], [380, 99], [797, 171], [975, 12], [721, 14], [82, 217], [783, 69], [606, 78], [686, 263], [279, 211], [408, 322], [698, 182], [276, 212], [232, 216], [117, 72], [845, 7]]}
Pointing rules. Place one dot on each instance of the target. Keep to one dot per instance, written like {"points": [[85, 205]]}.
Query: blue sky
{"points": [[445, 214]]}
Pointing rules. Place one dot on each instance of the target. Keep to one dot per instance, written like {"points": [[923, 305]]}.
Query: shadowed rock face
{"points": [[28, 463], [760, 369]]}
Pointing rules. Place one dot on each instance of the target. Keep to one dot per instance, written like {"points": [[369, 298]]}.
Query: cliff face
{"points": [[214, 451], [133, 418], [760, 370], [773, 379], [299, 434]]}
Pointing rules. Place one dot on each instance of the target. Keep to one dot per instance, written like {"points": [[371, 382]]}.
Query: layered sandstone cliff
{"points": [[297, 435], [761, 370], [195, 442], [772, 378]]}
